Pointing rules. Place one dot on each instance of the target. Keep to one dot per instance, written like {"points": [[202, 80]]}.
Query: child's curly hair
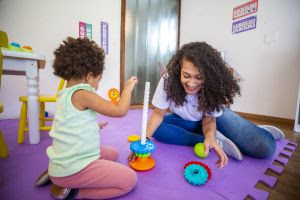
{"points": [[75, 58], [220, 84]]}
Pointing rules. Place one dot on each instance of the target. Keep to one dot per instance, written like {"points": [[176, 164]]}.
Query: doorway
{"points": [[149, 38]]}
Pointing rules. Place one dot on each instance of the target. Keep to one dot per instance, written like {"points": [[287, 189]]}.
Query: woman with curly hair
{"points": [[198, 88], [79, 167]]}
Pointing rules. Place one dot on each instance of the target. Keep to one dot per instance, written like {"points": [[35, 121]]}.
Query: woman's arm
{"points": [[209, 132], [209, 127], [155, 120]]}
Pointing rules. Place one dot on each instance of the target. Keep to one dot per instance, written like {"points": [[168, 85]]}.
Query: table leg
{"points": [[32, 76]]}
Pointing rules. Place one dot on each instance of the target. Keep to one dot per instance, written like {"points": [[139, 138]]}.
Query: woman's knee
{"points": [[165, 133], [270, 148], [267, 145], [264, 149], [161, 132]]}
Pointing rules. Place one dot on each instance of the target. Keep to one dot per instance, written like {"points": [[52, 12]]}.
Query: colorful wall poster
{"points": [[88, 28], [82, 30], [244, 24], [104, 36], [85, 30], [245, 9]]}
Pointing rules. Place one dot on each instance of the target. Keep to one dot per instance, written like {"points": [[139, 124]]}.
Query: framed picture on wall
{"points": [[104, 36], [244, 25], [82, 30], [245, 9], [85, 30]]}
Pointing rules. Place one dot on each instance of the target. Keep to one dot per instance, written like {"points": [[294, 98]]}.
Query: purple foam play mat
{"points": [[164, 181]]}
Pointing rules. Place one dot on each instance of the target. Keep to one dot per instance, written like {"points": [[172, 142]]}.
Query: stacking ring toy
{"points": [[197, 173], [142, 149], [133, 138], [142, 152]]}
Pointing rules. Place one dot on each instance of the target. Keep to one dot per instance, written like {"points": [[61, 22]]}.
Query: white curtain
{"points": [[151, 38]]}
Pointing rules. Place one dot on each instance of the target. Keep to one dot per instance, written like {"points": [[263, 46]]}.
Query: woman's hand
{"points": [[209, 131], [211, 143]]}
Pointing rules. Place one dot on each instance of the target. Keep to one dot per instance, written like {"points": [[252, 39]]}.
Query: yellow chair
{"points": [[3, 39], [23, 114], [3, 146]]}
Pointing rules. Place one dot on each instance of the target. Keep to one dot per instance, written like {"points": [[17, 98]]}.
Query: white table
{"points": [[22, 63]]}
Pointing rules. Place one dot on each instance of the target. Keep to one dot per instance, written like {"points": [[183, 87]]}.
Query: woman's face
{"points": [[190, 77]]}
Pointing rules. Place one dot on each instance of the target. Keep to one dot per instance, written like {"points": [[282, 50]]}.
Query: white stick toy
{"points": [[145, 112]]}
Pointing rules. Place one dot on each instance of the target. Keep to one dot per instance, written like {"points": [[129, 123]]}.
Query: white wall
{"points": [[43, 25], [270, 71]]}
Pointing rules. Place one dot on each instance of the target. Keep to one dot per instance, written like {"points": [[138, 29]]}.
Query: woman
{"points": [[198, 88]]}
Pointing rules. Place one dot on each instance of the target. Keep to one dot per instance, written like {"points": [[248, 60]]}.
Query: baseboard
{"points": [[266, 118], [133, 107]]}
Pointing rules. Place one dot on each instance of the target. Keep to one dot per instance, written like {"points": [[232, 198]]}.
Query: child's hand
{"points": [[130, 83], [102, 124], [131, 157]]}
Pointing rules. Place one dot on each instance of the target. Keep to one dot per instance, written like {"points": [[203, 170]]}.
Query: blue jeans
{"points": [[251, 140]]}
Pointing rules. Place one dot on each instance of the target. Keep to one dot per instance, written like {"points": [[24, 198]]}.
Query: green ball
{"points": [[199, 150]]}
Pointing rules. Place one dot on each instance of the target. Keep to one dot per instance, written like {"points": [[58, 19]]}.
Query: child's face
{"points": [[94, 81], [190, 77]]}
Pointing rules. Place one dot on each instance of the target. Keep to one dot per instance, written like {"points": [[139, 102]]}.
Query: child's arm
{"points": [[83, 99]]}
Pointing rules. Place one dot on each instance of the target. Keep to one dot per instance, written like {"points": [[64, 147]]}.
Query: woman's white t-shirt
{"points": [[188, 111]]}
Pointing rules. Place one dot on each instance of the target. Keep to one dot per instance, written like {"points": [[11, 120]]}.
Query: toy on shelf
{"points": [[199, 150], [196, 173], [114, 95], [13, 46], [142, 149], [27, 49]]}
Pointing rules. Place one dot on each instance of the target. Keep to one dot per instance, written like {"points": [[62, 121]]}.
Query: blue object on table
{"points": [[15, 44]]}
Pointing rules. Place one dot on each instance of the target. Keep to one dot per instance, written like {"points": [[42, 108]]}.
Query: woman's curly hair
{"points": [[220, 84], [75, 58]]}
